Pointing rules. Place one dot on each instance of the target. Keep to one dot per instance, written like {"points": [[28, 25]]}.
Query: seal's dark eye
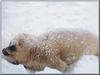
{"points": [[12, 48]]}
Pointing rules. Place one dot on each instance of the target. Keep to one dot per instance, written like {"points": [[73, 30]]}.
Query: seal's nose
{"points": [[5, 52]]}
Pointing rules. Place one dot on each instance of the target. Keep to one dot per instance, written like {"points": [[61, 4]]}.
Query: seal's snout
{"points": [[5, 52]]}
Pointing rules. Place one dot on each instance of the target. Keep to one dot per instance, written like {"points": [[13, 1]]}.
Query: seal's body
{"points": [[56, 49]]}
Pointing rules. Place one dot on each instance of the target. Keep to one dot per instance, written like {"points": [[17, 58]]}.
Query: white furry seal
{"points": [[55, 49]]}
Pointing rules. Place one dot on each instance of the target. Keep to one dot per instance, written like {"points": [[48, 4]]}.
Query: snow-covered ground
{"points": [[36, 17]]}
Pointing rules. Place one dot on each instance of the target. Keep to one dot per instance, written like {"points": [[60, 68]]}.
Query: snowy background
{"points": [[37, 17]]}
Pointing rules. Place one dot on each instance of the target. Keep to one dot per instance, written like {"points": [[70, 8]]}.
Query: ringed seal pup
{"points": [[55, 49]]}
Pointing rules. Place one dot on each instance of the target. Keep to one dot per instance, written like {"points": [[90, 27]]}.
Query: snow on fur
{"points": [[37, 17]]}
